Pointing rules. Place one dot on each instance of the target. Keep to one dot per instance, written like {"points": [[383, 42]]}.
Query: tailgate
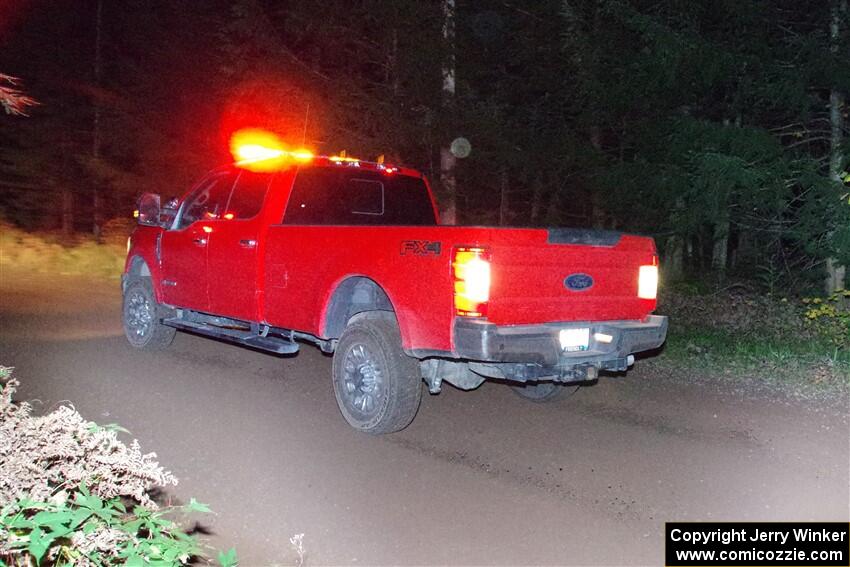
{"points": [[542, 276]]}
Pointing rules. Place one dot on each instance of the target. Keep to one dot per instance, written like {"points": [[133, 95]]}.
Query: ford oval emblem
{"points": [[578, 282]]}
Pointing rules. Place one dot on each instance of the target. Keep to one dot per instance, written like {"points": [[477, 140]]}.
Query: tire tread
{"points": [[405, 384], [560, 392], [162, 335]]}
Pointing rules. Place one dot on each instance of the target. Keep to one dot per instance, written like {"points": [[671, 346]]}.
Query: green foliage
{"points": [[740, 312], [830, 317], [71, 493], [228, 558], [726, 138], [735, 332], [105, 532]]}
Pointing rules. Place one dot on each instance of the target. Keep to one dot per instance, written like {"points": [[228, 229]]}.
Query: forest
{"points": [[718, 127]]}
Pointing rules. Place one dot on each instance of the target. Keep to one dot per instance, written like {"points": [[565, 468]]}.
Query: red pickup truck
{"points": [[349, 255]]}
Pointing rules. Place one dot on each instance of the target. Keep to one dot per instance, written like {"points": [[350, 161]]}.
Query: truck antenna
{"points": [[306, 116]]}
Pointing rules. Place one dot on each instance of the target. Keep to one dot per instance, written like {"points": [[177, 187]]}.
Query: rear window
{"points": [[364, 197], [327, 195]]}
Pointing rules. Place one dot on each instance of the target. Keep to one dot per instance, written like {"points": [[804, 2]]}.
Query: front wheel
{"points": [[377, 386], [542, 392], [142, 325]]}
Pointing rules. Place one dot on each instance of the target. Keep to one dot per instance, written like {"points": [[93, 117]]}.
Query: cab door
{"points": [[233, 265], [183, 248]]}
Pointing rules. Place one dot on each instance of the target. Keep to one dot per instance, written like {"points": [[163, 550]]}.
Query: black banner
{"points": [[757, 544]]}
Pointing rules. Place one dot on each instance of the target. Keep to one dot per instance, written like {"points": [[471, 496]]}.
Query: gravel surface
{"points": [[480, 477]]}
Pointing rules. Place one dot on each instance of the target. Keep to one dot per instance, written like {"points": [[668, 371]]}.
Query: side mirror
{"points": [[149, 210]]}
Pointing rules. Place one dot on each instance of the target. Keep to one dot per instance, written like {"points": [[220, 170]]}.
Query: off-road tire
{"points": [[544, 392], [140, 301], [369, 361]]}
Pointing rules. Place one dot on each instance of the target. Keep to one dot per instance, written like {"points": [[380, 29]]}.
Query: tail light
{"points": [[471, 272], [648, 282]]}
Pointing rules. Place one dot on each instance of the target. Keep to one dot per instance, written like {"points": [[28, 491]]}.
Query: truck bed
{"points": [[305, 264]]}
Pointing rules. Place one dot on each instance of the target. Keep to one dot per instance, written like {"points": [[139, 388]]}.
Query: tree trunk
{"points": [[504, 204], [447, 159], [721, 246], [674, 248], [97, 205], [722, 227], [552, 217], [674, 255], [67, 212], [448, 182], [689, 250], [835, 274], [597, 211], [536, 201], [393, 66]]}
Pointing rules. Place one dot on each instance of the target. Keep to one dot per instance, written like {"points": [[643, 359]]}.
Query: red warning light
{"points": [[260, 150]]}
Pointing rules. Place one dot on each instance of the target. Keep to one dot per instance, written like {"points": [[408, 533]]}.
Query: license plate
{"points": [[574, 339]]}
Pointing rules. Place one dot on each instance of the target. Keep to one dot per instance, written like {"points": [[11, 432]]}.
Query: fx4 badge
{"points": [[420, 247]]}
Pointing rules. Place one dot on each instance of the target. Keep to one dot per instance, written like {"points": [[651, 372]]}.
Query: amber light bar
{"points": [[471, 273]]}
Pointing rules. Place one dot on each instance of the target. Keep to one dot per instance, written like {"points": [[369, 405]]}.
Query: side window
{"points": [[207, 201], [364, 197], [311, 201], [248, 195]]}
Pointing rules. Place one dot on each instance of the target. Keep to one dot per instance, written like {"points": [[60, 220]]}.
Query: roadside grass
{"points": [[716, 347], [713, 345], [772, 341], [47, 253]]}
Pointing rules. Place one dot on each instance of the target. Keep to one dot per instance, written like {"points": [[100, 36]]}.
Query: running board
{"points": [[238, 336]]}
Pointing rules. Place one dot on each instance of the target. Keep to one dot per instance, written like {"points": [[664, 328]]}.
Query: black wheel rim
{"points": [[363, 385]]}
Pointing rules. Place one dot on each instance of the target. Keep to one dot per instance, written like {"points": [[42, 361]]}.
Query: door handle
{"points": [[200, 241], [248, 243]]}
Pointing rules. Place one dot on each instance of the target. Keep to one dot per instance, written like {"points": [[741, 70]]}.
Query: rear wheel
{"points": [[142, 323], [377, 386], [541, 392]]}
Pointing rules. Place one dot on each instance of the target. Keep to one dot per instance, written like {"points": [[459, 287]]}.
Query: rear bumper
{"points": [[477, 340]]}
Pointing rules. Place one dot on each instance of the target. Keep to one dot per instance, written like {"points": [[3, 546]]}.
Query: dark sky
{"points": [[160, 74], [50, 45]]}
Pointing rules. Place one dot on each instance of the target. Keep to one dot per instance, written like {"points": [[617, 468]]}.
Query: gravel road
{"points": [[480, 477]]}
